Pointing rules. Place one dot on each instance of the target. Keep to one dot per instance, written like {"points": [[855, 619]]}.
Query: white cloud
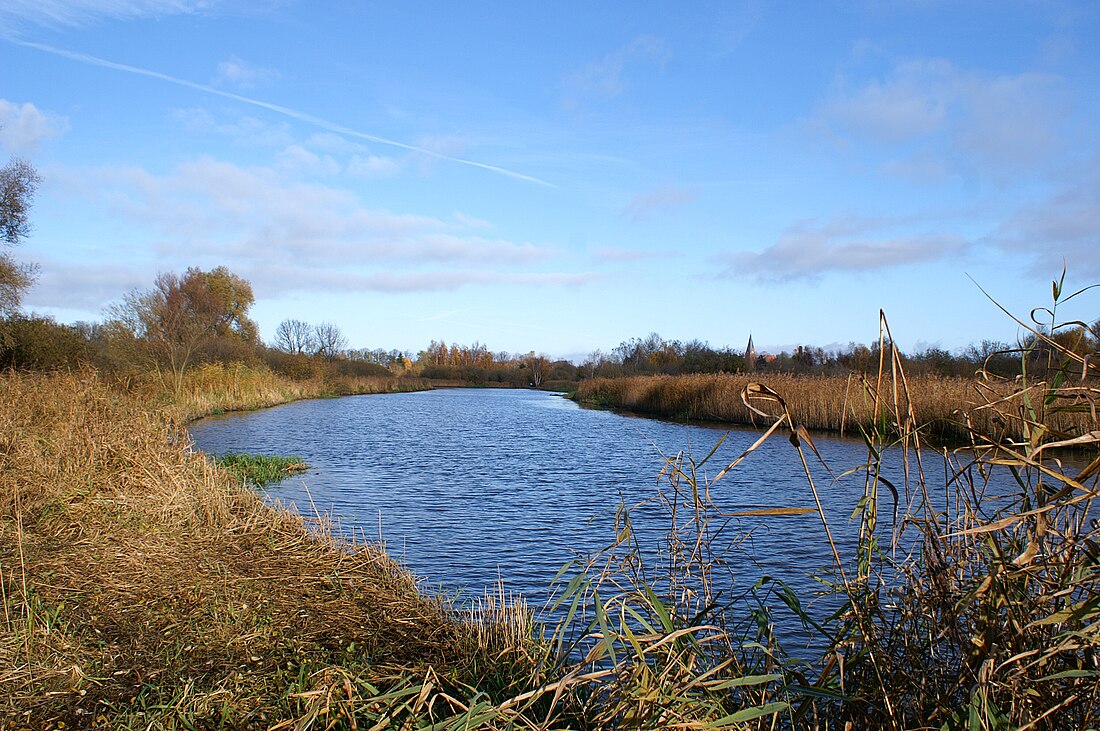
{"points": [[321, 153], [729, 24], [244, 128], [335, 144], [23, 127], [237, 72], [912, 102], [91, 286], [445, 247], [1065, 226], [256, 220], [372, 166], [808, 251], [932, 116], [1012, 123], [920, 167], [471, 223], [419, 151], [618, 254], [83, 286], [439, 281], [443, 146], [297, 159]]}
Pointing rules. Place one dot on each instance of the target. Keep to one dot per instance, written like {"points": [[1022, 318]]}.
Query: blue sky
{"points": [[564, 176]]}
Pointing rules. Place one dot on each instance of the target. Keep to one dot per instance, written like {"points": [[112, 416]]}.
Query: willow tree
{"points": [[180, 315]]}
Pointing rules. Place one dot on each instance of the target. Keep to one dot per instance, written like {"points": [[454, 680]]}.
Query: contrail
{"points": [[277, 108]]}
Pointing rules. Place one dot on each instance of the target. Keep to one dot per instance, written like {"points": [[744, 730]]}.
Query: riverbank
{"points": [[220, 388], [142, 587], [958, 410]]}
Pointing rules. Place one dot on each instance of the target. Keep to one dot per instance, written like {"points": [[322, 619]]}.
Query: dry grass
{"points": [[141, 585], [214, 388], [833, 403]]}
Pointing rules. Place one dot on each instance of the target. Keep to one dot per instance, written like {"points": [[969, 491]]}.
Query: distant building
{"points": [[750, 355]]}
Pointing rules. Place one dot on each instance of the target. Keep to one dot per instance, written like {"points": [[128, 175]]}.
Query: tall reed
{"points": [[829, 403]]}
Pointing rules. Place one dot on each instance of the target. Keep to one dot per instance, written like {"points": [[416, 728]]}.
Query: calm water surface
{"points": [[469, 486]]}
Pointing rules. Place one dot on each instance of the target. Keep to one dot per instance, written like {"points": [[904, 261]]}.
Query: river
{"points": [[469, 487]]}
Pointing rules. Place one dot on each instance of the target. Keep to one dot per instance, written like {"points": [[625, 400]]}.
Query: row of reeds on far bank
{"points": [[950, 409]]}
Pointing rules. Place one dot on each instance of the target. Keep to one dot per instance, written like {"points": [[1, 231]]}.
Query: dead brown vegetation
{"points": [[833, 403], [137, 576]]}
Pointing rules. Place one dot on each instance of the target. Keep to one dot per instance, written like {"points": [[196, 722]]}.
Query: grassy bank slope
{"points": [[143, 588], [215, 388]]}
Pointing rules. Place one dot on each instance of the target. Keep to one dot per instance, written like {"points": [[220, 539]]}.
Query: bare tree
{"points": [[328, 341], [295, 336]]}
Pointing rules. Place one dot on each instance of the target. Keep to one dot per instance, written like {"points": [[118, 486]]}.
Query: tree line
{"points": [[203, 316]]}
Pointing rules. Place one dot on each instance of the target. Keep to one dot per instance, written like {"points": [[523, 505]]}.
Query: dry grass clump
{"points": [[655, 641], [142, 587], [717, 397]]}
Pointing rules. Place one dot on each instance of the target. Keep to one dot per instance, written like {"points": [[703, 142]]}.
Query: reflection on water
{"points": [[472, 486]]}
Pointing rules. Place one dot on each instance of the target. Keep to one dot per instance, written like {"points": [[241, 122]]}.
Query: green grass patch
{"points": [[261, 469]]}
